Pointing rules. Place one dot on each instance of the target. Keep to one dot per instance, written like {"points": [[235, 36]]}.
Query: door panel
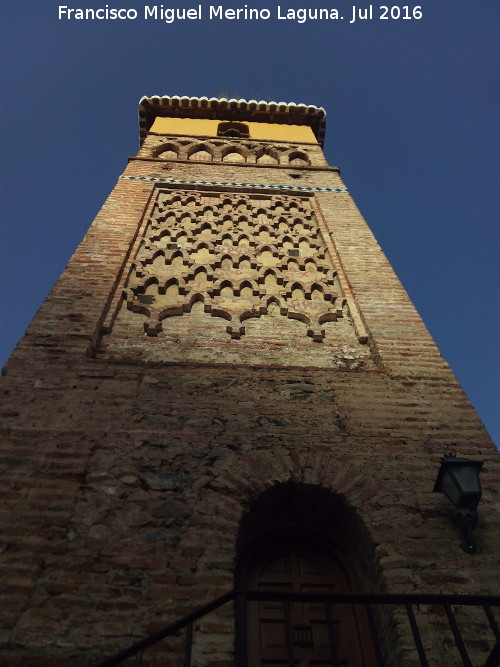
{"points": [[307, 572]]}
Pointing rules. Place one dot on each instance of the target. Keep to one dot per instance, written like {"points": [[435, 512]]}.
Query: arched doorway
{"points": [[290, 544]]}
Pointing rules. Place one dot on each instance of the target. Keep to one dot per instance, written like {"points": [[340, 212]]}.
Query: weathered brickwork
{"points": [[141, 429]]}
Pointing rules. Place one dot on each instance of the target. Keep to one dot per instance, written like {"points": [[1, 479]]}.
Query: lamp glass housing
{"points": [[458, 479]]}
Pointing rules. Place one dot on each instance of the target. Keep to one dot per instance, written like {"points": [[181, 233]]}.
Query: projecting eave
{"points": [[220, 108]]}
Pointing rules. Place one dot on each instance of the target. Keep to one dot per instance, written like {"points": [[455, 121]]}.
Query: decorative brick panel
{"points": [[248, 276]]}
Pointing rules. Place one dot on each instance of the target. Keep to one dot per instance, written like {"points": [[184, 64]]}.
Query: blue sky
{"points": [[412, 123]]}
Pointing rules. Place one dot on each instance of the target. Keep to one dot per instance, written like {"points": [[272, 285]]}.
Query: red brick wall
{"points": [[124, 481]]}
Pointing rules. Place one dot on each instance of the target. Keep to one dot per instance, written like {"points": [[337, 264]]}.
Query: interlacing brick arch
{"points": [[229, 151], [298, 159], [234, 154], [167, 151], [267, 155], [203, 152]]}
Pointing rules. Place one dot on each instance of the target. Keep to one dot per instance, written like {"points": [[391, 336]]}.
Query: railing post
{"points": [[289, 633], [492, 621], [240, 622], [416, 635], [189, 645], [494, 657], [373, 629], [458, 637], [331, 634]]}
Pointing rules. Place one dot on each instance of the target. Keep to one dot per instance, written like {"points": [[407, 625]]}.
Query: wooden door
{"points": [[302, 571]]}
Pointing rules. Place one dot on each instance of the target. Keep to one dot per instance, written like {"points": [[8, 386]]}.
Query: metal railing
{"points": [[369, 602]]}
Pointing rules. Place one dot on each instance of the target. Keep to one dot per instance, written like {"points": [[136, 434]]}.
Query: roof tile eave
{"points": [[307, 110]]}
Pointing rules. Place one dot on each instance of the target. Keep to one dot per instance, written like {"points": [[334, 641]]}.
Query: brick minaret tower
{"points": [[229, 387]]}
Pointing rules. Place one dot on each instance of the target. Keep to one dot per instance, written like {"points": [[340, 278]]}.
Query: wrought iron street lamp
{"points": [[458, 479]]}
